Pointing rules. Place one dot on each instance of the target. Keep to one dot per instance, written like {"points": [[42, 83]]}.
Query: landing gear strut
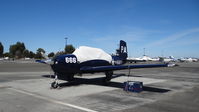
{"points": [[55, 84], [108, 77]]}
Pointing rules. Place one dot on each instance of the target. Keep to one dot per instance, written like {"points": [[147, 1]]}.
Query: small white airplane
{"points": [[170, 59], [188, 60], [135, 60], [142, 59]]}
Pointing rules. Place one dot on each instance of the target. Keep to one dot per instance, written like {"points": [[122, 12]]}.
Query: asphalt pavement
{"points": [[25, 87]]}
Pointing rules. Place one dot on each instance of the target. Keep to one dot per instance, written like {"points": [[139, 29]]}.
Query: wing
{"points": [[119, 67], [40, 61], [48, 62]]}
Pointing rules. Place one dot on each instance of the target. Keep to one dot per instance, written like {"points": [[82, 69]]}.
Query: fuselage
{"points": [[86, 57], [69, 64]]}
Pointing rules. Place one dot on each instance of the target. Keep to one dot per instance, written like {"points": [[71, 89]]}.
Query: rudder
{"points": [[121, 54], [122, 51]]}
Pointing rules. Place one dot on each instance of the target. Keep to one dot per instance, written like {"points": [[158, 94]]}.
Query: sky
{"points": [[162, 27]]}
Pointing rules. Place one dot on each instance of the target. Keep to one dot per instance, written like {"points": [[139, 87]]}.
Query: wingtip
{"points": [[171, 64]]}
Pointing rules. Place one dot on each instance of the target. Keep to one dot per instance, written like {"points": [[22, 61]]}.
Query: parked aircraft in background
{"points": [[92, 60], [188, 60], [142, 59], [147, 58], [135, 60], [165, 59]]}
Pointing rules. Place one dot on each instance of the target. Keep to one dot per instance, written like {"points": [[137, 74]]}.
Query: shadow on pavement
{"points": [[99, 81]]}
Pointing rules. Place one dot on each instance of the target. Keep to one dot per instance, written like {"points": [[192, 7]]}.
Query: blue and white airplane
{"points": [[91, 60]]}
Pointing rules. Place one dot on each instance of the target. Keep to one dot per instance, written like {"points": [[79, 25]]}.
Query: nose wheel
{"points": [[55, 84]]}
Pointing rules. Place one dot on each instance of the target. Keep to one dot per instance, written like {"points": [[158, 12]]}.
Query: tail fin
{"points": [[122, 51], [121, 54]]}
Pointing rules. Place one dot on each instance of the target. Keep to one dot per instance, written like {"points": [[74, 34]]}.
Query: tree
{"points": [[26, 53], [52, 54], [38, 56], [17, 49], [59, 53], [39, 53], [69, 49], [31, 54], [7, 54], [41, 50], [1, 50]]}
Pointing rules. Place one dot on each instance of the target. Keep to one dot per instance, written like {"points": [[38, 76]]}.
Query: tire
{"points": [[108, 76], [54, 85]]}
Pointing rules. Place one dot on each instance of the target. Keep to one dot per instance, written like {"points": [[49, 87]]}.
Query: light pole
{"points": [[66, 41]]}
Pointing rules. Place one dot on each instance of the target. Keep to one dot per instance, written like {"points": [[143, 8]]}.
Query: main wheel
{"points": [[108, 76]]}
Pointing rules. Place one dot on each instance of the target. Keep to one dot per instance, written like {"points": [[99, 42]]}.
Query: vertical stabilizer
{"points": [[122, 51], [121, 54]]}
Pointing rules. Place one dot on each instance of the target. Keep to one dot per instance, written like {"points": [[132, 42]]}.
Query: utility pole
{"points": [[66, 41], [144, 51]]}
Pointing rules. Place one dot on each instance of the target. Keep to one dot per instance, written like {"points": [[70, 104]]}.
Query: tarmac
{"points": [[25, 87]]}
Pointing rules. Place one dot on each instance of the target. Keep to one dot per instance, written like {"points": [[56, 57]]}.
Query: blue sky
{"points": [[168, 27]]}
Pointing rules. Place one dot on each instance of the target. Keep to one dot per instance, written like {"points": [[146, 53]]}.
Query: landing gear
{"points": [[55, 84], [108, 77]]}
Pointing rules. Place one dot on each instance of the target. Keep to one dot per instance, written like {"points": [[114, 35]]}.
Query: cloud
{"points": [[191, 40], [128, 34], [175, 38]]}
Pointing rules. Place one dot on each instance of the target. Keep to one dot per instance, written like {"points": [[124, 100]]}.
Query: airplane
{"points": [[188, 60], [169, 59], [142, 59], [135, 60], [91, 60]]}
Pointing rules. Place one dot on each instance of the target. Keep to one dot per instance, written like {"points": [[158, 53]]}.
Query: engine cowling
{"points": [[66, 64]]}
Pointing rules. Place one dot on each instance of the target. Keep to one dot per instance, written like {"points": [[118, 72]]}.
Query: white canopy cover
{"points": [[84, 53]]}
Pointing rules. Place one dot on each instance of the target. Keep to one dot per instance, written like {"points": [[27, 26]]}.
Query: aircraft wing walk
{"points": [[119, 67]]}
